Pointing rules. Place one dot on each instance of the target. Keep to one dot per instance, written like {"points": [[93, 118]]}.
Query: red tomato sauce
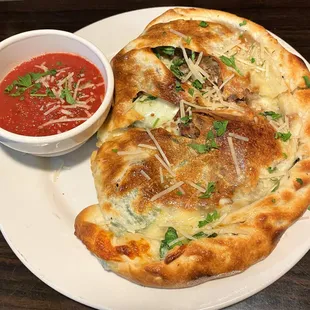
{"points": [[50, 94]]}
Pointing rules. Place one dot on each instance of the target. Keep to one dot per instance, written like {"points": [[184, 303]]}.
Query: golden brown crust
{"points": [[256, 227]]}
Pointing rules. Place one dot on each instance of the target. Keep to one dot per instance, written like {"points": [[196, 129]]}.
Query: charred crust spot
{"points": [[277, 235], [133, 248], [175, 254]]}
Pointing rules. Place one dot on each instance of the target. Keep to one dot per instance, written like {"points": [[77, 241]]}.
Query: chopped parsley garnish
{"points": [[277, 184], [150, 97], [307, 81], [272, 114], [220, 127], [309, 208], [209, 191], [35, 88], [171, 235], [168, 50], [66, 94], [58, 63], [178, 86], [283, 136], [155, 123], [252, 60], [201, 234], [271, 169], [300, 181], [230, 62], [273, 200], [243, 23], [186, 119], [50, 93], [210, 141], [178, 61], [25, 82], [211, 217], [191, 91], [203, 24], [176, 71], [188, 40], [193, 56], [114, 150], [284, 155], [179, 193], [197, 84], [199, 148]]}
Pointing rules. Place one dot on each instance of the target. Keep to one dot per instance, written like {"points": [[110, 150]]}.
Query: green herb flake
{"points": [[150, 97], [191, 91], [211, 217], [271, 169], [307, 81], [114, 150], [193, 56], [210, 190], [220, 127], [300, 181], [178, 86], [168, 50], [178, 61], [197, 84], [201, 234], [271, 114], [283, 136], [203, 24], [230, 62], [284, 155], [243, 23], [170, 236], [210, 141], [186, 119], [35, 88], [199, 148], [273, 200], [58, 63], [49, 93], [309, 207], [252, 60], [155, 123], [277, 184], [176, 71], [35, 76], [179, 193], [21, 98], [188, 40]]}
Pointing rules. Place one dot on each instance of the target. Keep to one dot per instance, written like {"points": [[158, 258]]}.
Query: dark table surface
{"points": [[19, 288]]}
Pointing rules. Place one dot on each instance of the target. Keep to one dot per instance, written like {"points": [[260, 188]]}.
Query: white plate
{"points": [[37, 217]]}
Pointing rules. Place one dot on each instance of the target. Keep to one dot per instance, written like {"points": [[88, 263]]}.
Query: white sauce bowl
{"points": [[24, 46]]}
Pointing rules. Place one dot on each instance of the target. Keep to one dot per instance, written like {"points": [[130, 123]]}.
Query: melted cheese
{"points": [[152, 110]]}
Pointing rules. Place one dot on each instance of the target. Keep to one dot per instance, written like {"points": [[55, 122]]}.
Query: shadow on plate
{"points": [[72, 159]]}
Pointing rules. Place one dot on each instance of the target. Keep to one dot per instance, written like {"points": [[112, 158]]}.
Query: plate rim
{"points": [[245, 294]]}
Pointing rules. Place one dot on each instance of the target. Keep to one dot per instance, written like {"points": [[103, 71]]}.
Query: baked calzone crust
{"points": [[204, 161]]}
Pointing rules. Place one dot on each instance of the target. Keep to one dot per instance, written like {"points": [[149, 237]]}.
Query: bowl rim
{"points": [[13, 137]]}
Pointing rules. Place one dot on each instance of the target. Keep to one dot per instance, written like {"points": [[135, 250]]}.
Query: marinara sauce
{"points": [[50, 94]]}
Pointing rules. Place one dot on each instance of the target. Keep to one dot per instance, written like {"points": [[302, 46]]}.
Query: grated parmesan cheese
{"points": [[233, 154], [236, 136], [145, 175], [147, 146], [201, 189], [164, 165], [158, 147], [166, 191]]}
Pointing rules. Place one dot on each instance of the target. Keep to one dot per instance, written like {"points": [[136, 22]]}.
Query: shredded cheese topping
{"points": [[145, 175], [166, 191], [236, 136], [165, 165], [201, 189], [233, 154], [158, 147]]}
